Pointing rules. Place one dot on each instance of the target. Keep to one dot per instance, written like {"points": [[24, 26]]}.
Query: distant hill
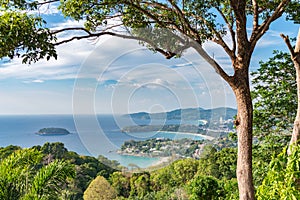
{"points": [[189, 114]]}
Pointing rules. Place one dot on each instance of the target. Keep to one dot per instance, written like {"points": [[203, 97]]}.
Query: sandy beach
{"points": [[194, 134], [162, 162]]}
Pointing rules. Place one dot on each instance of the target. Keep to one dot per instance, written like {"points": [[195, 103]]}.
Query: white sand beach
{"points": [[162, 160], [193, 134]]}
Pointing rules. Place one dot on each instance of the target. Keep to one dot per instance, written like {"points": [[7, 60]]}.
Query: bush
{"points": [[100, 189], [203, 188], [282, 179]]}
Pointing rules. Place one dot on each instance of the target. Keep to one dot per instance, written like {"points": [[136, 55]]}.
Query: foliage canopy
{"points": [[274, 95]]}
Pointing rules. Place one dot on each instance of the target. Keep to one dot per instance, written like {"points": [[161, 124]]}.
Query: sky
{"points": [[116, 76]]}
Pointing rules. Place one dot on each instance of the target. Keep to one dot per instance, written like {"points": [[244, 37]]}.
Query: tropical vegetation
{"points": [[48, 172]]}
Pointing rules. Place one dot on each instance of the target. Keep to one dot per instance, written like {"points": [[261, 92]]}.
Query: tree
{"points": [[183, 170], [49, 180], [14, 171], [282, 179], [121, 184], [6, 151], [22, 177], [274, 95], [100, 188], [139, 184], [168, 27], [203, 187], [295, 56]]}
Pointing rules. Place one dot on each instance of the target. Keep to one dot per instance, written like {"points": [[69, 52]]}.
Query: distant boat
{"points": [[53, 131]]}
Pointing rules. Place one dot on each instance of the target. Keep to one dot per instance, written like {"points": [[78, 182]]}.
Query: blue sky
{"points": [[113, 75]]}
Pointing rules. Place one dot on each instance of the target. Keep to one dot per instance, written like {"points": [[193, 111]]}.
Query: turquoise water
{"points": [[141, 162]]}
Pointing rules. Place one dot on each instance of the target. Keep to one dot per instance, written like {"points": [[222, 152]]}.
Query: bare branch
{"points": [[288, 44], [295, 53], [73, 38], [47, 2], [71, 29], [112, 27]]}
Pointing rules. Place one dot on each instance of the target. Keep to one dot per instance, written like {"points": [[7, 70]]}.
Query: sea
{"points": [[91, 135]]}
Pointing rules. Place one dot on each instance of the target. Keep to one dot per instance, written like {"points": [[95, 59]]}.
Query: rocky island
{"points": [[53, 131]]}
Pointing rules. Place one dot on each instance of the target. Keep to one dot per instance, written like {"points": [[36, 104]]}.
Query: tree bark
{"points": [[296, 60], [296, 129], [295, 55], [243, 124]]}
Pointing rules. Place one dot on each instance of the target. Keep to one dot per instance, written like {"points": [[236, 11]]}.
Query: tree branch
{"points": [[219, 70], [239, 9], [167, 54], [219, 40], [295, 53], [297, 47], [264, 27], [230, 27], [148, 14], [47, 2], [184, 21], [255, 15], [71, 29], [157, 5], [222, 43], [288, 44]]}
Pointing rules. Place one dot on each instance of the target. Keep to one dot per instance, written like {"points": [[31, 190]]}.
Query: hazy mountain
{"points": [[190, 114]]}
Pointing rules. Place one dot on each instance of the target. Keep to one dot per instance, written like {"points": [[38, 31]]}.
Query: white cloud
{"points": [[38, 81], [66, 66]]}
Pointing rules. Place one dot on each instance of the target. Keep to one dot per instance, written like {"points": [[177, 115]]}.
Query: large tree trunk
{"points": [[243, 124]]}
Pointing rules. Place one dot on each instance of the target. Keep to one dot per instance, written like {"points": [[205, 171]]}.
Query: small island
{"points": [[52, 131]]}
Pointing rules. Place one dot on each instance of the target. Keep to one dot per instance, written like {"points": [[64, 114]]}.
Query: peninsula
{"points": [[53, 131]]}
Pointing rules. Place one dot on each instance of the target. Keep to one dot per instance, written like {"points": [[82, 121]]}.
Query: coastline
{"points": [[194, 134], [162, 161], [162, 158]]}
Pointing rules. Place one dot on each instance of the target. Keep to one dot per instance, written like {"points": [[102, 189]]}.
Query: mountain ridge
{"points": [[199, 113]]}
